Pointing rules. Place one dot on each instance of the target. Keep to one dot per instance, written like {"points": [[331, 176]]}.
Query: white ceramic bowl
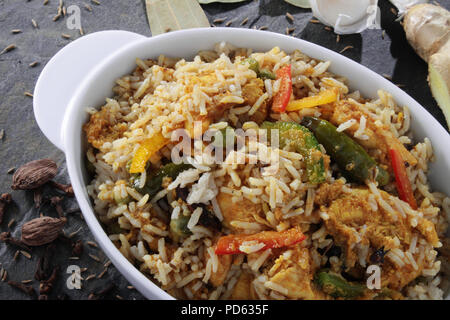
{"points": [[111, 55]]}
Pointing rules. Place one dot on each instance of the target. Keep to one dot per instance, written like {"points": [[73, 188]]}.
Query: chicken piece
{"points": [[251, 92], [103, 127], [380, 137], [353, 222], [217, 278], [396, 278], [243, 211], [292, 270], [243, 289], [328, 192]]}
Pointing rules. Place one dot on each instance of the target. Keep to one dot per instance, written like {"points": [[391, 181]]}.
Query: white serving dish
{"points": [[82, 75]]}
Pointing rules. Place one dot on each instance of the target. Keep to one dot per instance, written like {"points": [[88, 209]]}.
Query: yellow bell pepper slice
{"points": [[324, 97], [148, 148]]}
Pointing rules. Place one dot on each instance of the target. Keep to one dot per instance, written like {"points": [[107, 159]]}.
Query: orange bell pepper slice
{"points": [[324, 97], [148, 148], [272, 239]]}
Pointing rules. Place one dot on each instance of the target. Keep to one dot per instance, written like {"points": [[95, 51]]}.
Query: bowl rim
{"points": [[149, 289]]}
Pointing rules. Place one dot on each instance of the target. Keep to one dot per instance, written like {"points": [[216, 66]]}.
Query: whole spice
{"points": [[34, 174], [378, 256], [37, 197], [66, 188], [43, 265], [5, 199], [77, 248], [46, 285], [28, 289], [8, 239], [8, 48], [42, 230], [56, 202]]}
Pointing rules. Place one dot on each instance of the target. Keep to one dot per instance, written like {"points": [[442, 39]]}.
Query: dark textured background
{"points": [[23, 141]]}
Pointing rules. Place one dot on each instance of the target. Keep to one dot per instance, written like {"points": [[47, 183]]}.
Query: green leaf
{"points": [[300, 3], [170, 15], [222, 1]]}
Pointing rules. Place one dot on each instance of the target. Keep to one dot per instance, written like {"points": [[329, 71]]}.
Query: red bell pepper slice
{"points": [[282, 97], [403, 184], [271, 239]]}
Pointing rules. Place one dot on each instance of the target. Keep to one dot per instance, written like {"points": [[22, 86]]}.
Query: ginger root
{"points": [[427, 29]]}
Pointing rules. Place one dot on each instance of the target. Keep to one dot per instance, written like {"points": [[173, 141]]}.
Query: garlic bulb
{"points": [[347, 16], [404, 5]]}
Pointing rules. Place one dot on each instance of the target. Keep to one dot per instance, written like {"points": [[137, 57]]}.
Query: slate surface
{"points": [[390, 55]]}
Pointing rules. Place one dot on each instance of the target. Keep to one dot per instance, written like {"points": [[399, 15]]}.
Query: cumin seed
{"points": [[8, 48], [228, 23], [65, 35], [102, 273], [25, 254], [11, 170], [387, 76], [263, 28], [45, 2], [314, 21], [16, 254], [11, 222], [15, 31], [219, 20], [290, 17], [34, 23], [55, 18], [28, 94], [92, 244], [383, 33], [346, 48], [244, 21], [94, 257], [81, 31], [2, 134], [33, 64], [96, 2], [74, 233], [328, 28], [119, 297], [88, 7], [27, 281], [89, 277], [107, 264]]}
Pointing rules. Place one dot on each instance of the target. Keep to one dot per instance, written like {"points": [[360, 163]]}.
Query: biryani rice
{"points": [[167, 94]]}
